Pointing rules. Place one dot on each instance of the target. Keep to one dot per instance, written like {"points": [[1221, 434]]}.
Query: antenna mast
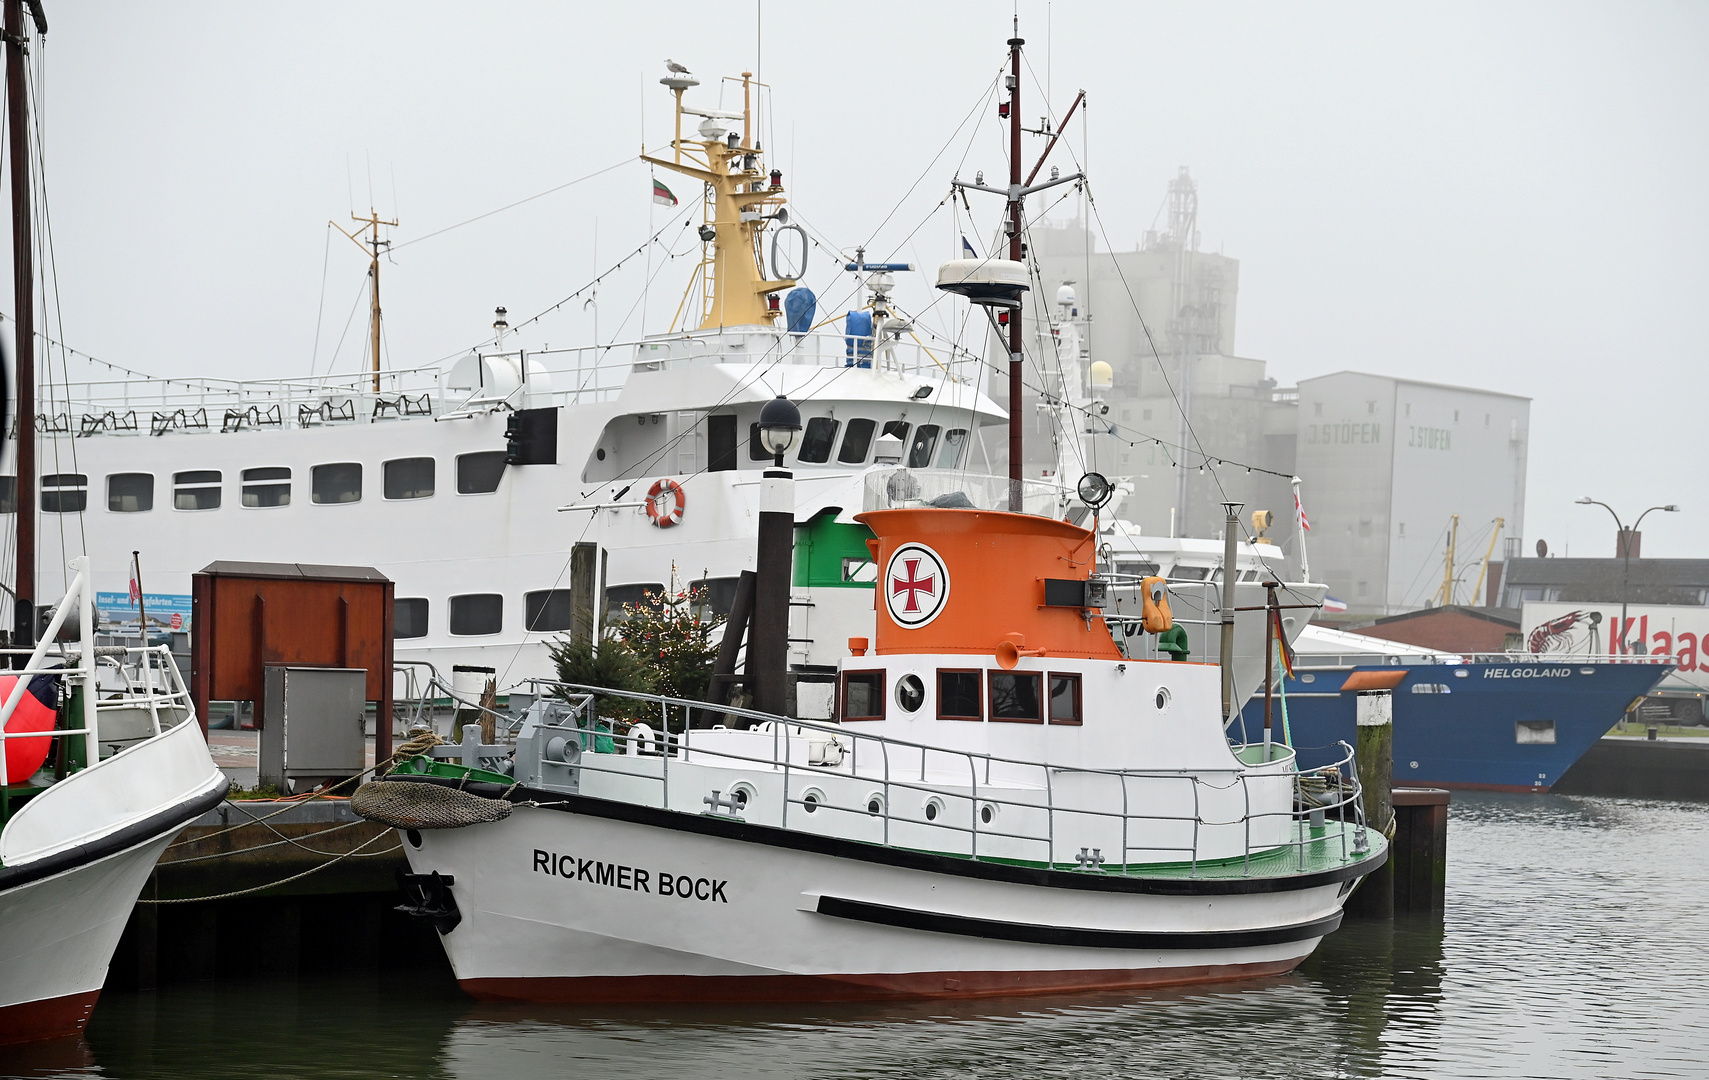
{"points": [[371, 245], [1016, 254]]}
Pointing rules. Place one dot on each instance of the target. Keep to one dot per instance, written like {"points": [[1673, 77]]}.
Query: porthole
{"points": [[414, 838], [1162, 698], [934, 808], [1308, 677], [875, 804], [910, 693], [742, 794], [987, 813], [1461, 673], [811, 799]]}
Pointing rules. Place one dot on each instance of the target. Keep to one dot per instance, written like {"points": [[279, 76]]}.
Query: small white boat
{"points": [[84, 828], [1005, 803]]}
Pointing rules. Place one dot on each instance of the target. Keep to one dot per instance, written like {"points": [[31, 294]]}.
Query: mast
{"points": [[24, 307], [1016, 253], [371, 245], [744, 198]]}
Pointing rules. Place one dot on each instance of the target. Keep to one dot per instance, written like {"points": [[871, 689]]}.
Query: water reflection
{"points": [[1570, 948]]}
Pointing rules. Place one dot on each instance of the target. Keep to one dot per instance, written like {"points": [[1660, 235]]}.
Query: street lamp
{"points": [[768, 636], [1626, 553]]}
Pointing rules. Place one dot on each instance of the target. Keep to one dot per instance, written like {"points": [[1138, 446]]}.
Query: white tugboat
{"points": [[1005, 804]]}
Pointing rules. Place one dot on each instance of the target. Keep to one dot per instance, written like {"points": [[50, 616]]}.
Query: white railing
{"points": [[1402, 658], [141, 405], [1043, 798]]}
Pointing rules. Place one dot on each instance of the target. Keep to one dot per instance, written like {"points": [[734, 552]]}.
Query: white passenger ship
{"points": [[647, 449]]}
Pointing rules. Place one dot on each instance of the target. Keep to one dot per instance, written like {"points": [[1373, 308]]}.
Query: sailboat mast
{"points": [[24, 324], [1015, 254]]}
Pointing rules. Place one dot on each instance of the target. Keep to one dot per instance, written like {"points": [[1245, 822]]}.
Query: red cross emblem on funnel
{"points": [[916, 585]]}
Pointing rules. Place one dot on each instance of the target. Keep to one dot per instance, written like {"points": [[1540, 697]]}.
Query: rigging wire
{"points": [[320, 309], [514, 205]]}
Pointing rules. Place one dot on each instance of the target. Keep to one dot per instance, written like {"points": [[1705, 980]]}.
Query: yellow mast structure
{"points": [[1445, 595], [1477, 590], [370, 246], [742, 198]]}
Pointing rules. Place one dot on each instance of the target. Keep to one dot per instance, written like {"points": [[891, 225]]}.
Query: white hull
{"points": [[72, 863], [566, 904]]}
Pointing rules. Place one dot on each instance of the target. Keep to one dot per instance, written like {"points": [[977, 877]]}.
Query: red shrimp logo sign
{"points": [[916, 586]]}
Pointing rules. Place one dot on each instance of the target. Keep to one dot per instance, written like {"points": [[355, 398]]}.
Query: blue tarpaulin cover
{"points": [[799, 307], [858, 327]]}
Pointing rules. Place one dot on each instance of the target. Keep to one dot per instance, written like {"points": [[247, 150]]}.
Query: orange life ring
{"points": [[665, 492]]}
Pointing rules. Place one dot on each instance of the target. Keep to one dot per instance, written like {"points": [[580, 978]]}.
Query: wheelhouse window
{"points": [[898, 428], [8, 494], [857, 441], [955, 448], [130, 493], [817, 440], [473, 614], [958, 695], [546, 610], [1065, 698], [65, 493], [267, 487], [198, 489], [1015, 696], [409, 478], [756, 446], [925, 441], [863, 695], [336, 483], [409, 617], [619, 597], [480, 472]]}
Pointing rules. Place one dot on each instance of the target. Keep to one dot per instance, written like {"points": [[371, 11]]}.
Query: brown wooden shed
{"points": [[248, 616]]}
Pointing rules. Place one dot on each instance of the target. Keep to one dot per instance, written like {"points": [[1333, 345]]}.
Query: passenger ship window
{"points": [[477, 613], [857, 441], [546, 610], [480, 472], [1015, 696], [198, 489], [617, 597], [955, 446], [817, 440], [713, 597], [339, 483], [409, 617], [756, 446], [409, 478], [65, 493], [863, 695], [898, 428], [958, 696], [1064, 698], [130, 493], [267, 487], [8, 494], [925, 441]]}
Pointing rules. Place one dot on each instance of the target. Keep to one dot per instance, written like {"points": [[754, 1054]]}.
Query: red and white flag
{"points": [[136, 586], [1299, 512]]}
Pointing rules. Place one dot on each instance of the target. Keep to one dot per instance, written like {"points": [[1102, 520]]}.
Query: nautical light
{"points": [[780, 423]]}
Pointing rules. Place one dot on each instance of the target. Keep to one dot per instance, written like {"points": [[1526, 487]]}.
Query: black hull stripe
{"points": [[1036, 934], [734, 829], [171, 819]]}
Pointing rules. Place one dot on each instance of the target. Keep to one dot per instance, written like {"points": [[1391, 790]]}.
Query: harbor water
{"points": [[1573, 946]]}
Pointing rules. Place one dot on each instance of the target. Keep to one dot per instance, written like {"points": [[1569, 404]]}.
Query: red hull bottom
{"points": [[1519, 789], [881, 986], [50, 1018]]}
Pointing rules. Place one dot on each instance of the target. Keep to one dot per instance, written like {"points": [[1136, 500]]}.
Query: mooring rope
{"points": [[282, 881]]}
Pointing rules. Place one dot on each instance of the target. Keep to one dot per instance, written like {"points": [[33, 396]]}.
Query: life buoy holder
{"points": [[665, 503]]}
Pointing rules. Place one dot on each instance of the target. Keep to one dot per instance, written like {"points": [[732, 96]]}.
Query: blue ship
{"points": [[1505, 725]]}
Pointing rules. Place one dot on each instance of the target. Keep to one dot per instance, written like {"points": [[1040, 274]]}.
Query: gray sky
{"points": [[1509, 196]]}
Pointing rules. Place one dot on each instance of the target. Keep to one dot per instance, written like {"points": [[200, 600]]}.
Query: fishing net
{"points": [[406, 805]]}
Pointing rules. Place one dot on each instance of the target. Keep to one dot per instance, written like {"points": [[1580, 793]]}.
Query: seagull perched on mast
{"points": [[675, 68]]}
